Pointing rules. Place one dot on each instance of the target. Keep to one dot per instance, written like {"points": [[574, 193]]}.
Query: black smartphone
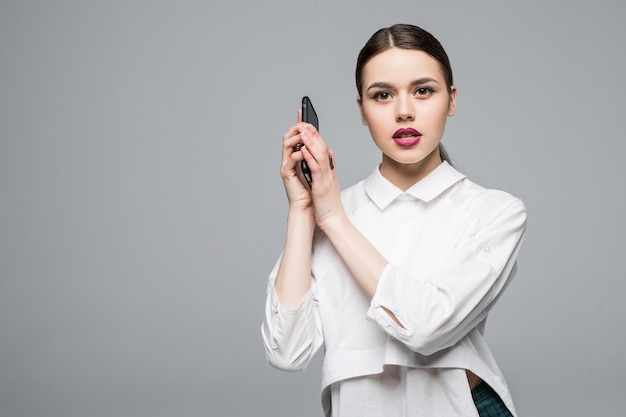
{"points": [[308, 116]]}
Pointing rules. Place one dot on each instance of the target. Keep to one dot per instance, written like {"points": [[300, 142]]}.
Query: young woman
{"points": [[395, 275]]}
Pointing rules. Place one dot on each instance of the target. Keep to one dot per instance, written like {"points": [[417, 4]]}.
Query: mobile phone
{"points": [[308, 116]]}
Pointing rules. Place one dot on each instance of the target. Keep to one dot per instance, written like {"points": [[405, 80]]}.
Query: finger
{"points": [[290, 139], [290, 142], [307, 127], [314, 143], [324, 177], [288, 163], [293, 130], [311, 163], [325, 164]]}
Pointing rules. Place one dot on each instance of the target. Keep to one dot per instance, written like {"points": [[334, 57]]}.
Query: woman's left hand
{"points": [[325, 188]]}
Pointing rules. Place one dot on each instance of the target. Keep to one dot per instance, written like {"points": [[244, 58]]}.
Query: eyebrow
{"points": [[419, 81]]}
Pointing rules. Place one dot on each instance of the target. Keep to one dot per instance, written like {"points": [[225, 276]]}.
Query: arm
{"points": [[294, 272], [291, 336], [292, 330], [440, 307], [364, 261], [433, 311], [293, 280]]}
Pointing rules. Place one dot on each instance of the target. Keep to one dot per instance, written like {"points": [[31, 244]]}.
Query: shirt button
{"points": [[487, 249]]}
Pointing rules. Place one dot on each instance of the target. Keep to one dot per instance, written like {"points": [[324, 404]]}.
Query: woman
{"points": [[396, 275]]}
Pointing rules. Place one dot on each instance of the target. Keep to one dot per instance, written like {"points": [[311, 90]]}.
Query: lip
{"points": [[407, 137]]}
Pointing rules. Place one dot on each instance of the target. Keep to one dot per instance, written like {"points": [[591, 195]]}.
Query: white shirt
{"points": [[451, 246]]}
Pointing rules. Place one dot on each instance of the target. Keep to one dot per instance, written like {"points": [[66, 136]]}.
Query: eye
{"points": [[382, 96], [424, 91]]}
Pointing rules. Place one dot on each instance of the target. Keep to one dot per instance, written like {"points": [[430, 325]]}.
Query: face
{"points": [[405, 103]]}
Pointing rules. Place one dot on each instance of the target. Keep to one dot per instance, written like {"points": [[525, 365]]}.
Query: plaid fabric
{"points": [[488, 403]]}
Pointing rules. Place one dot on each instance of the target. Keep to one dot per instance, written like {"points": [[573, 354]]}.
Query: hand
{"points": [[298, 195], [325, 188]]}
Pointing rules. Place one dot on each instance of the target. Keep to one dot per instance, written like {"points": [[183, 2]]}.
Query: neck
{"points": [[404, 176]]}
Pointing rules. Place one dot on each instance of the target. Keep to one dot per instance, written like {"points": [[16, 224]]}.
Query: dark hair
{"points": [[405, 37]]}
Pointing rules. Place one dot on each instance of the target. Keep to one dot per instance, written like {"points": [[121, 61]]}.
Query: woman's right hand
{"points": [[298, 195], [293, 279]]}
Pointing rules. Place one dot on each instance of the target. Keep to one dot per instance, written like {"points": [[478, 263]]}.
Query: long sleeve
{"points": [[438, 308], [291, 336]]}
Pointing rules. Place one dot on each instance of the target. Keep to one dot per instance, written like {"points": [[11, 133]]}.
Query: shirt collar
{"points": [[383, 192]]}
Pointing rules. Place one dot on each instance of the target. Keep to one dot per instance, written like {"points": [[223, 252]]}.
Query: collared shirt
{"points": [[451, 247]]}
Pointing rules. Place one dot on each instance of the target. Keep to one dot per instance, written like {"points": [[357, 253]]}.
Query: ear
{"points": [[452, 104], [360, 104]]}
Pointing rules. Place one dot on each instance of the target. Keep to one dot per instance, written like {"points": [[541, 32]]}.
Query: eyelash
{"points": [[426, 91], [378, 95]]}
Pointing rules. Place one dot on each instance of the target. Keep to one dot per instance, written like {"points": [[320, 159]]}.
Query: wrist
{"points": [[298, 215], [333, 223]]}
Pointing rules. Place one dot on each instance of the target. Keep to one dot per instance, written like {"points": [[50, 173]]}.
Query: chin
{"points": [[413, 159], [420, 158]]}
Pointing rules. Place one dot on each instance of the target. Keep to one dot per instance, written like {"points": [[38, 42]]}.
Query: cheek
{"points": [[377, 127], [437, 115], [378, 118]]}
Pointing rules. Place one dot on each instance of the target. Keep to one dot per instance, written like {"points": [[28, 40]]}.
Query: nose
{"points": [[405, 108]]}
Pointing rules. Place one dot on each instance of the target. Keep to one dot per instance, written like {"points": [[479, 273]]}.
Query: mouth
{"points": [[407, 137]]}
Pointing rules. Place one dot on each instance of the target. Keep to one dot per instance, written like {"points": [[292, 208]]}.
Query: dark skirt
{"points": [[488, 402]]}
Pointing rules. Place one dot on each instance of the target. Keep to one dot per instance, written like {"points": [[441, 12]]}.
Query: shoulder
{"points": [[485, 203]]}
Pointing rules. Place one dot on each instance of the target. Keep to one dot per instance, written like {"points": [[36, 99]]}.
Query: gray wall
{"points": [[141, 206]]}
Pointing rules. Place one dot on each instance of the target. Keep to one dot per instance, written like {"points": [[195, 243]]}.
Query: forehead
{"points": [[396, 64]]}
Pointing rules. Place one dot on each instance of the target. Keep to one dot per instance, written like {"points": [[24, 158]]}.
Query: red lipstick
{"points": [[407, 137]]}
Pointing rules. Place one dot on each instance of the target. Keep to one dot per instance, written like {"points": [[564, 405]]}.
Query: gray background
{"points": [[141, 206]]}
